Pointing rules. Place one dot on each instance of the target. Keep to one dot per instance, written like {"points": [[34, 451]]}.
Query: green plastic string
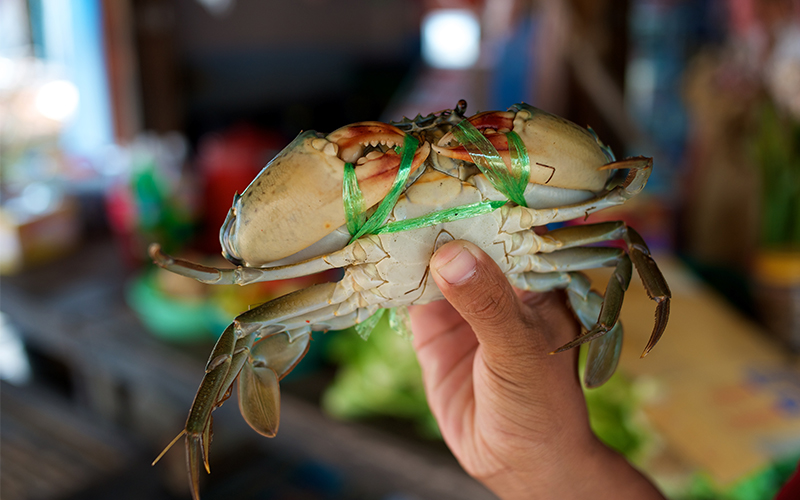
{"points": [[511, 183], [520, 162], [353, 200], [364, 329], [400, 321], [387, 204], [442, 216]]}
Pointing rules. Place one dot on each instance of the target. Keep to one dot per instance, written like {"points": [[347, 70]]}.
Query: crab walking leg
{"points": [[574, 259], [316, 306], [654, 283], [570, 237], [365, 250], [603, 354], [518, 218], [230, 354], [527, 242], [541, 282], [610, 308], [602, 357], [271, 359], [283, 342], [568, 259], [653, 280], [336, 316], [224, 364]]}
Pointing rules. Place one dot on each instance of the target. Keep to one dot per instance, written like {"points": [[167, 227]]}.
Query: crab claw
{"points": [[561, 153], [297, 199]]}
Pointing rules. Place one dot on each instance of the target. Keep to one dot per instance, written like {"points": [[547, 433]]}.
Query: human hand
{"points": [[513, 415]]}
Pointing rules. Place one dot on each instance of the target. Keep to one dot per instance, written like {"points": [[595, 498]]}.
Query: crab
{"points": [[376, 200]]}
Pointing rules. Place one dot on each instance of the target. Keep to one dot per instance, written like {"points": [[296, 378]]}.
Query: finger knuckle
{"points": [[489, 309], [493, 304]]}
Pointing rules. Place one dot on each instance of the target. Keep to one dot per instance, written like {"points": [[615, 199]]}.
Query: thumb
{"points": [[476, 287]]}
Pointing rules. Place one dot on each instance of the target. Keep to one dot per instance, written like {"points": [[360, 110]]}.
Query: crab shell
{"points": [[562, 154], [296, 200]]}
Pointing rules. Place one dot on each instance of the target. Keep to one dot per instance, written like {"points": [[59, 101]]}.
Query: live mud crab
{"points": [[376, 200]]}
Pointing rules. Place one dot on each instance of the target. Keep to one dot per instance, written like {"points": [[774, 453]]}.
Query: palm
{"points": [[480, 400]]}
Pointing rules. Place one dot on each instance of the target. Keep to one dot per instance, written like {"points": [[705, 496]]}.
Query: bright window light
{"points": [[451, 38], [57, 100], [14, 365]]}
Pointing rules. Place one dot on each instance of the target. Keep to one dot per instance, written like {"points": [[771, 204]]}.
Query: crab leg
{"points": [[541, 282], [227, 358], [231, 352], [238, 275], [517, 218], [527, 242], [262, 346], [570, 258], [610, 307], [603, 355], [364, 250], [271, 359], [654, 283], [597, 314]]}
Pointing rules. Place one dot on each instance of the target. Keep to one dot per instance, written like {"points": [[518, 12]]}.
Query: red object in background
{"points": [[791, 490], [227, 162], [121, 213]]}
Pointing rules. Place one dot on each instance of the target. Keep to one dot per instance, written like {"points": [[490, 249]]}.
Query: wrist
{"points": [[591, 470]]}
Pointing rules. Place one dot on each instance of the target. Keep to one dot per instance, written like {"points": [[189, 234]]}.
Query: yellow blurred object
{"points": [[38, 238], [776, 289], [777, 268]]}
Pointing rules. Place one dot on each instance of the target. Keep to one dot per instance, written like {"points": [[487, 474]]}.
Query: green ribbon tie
{"points": [[387, 204], [511, 182]]}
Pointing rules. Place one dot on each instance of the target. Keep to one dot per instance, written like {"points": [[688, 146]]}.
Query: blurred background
{"points": [[124, 122]]}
